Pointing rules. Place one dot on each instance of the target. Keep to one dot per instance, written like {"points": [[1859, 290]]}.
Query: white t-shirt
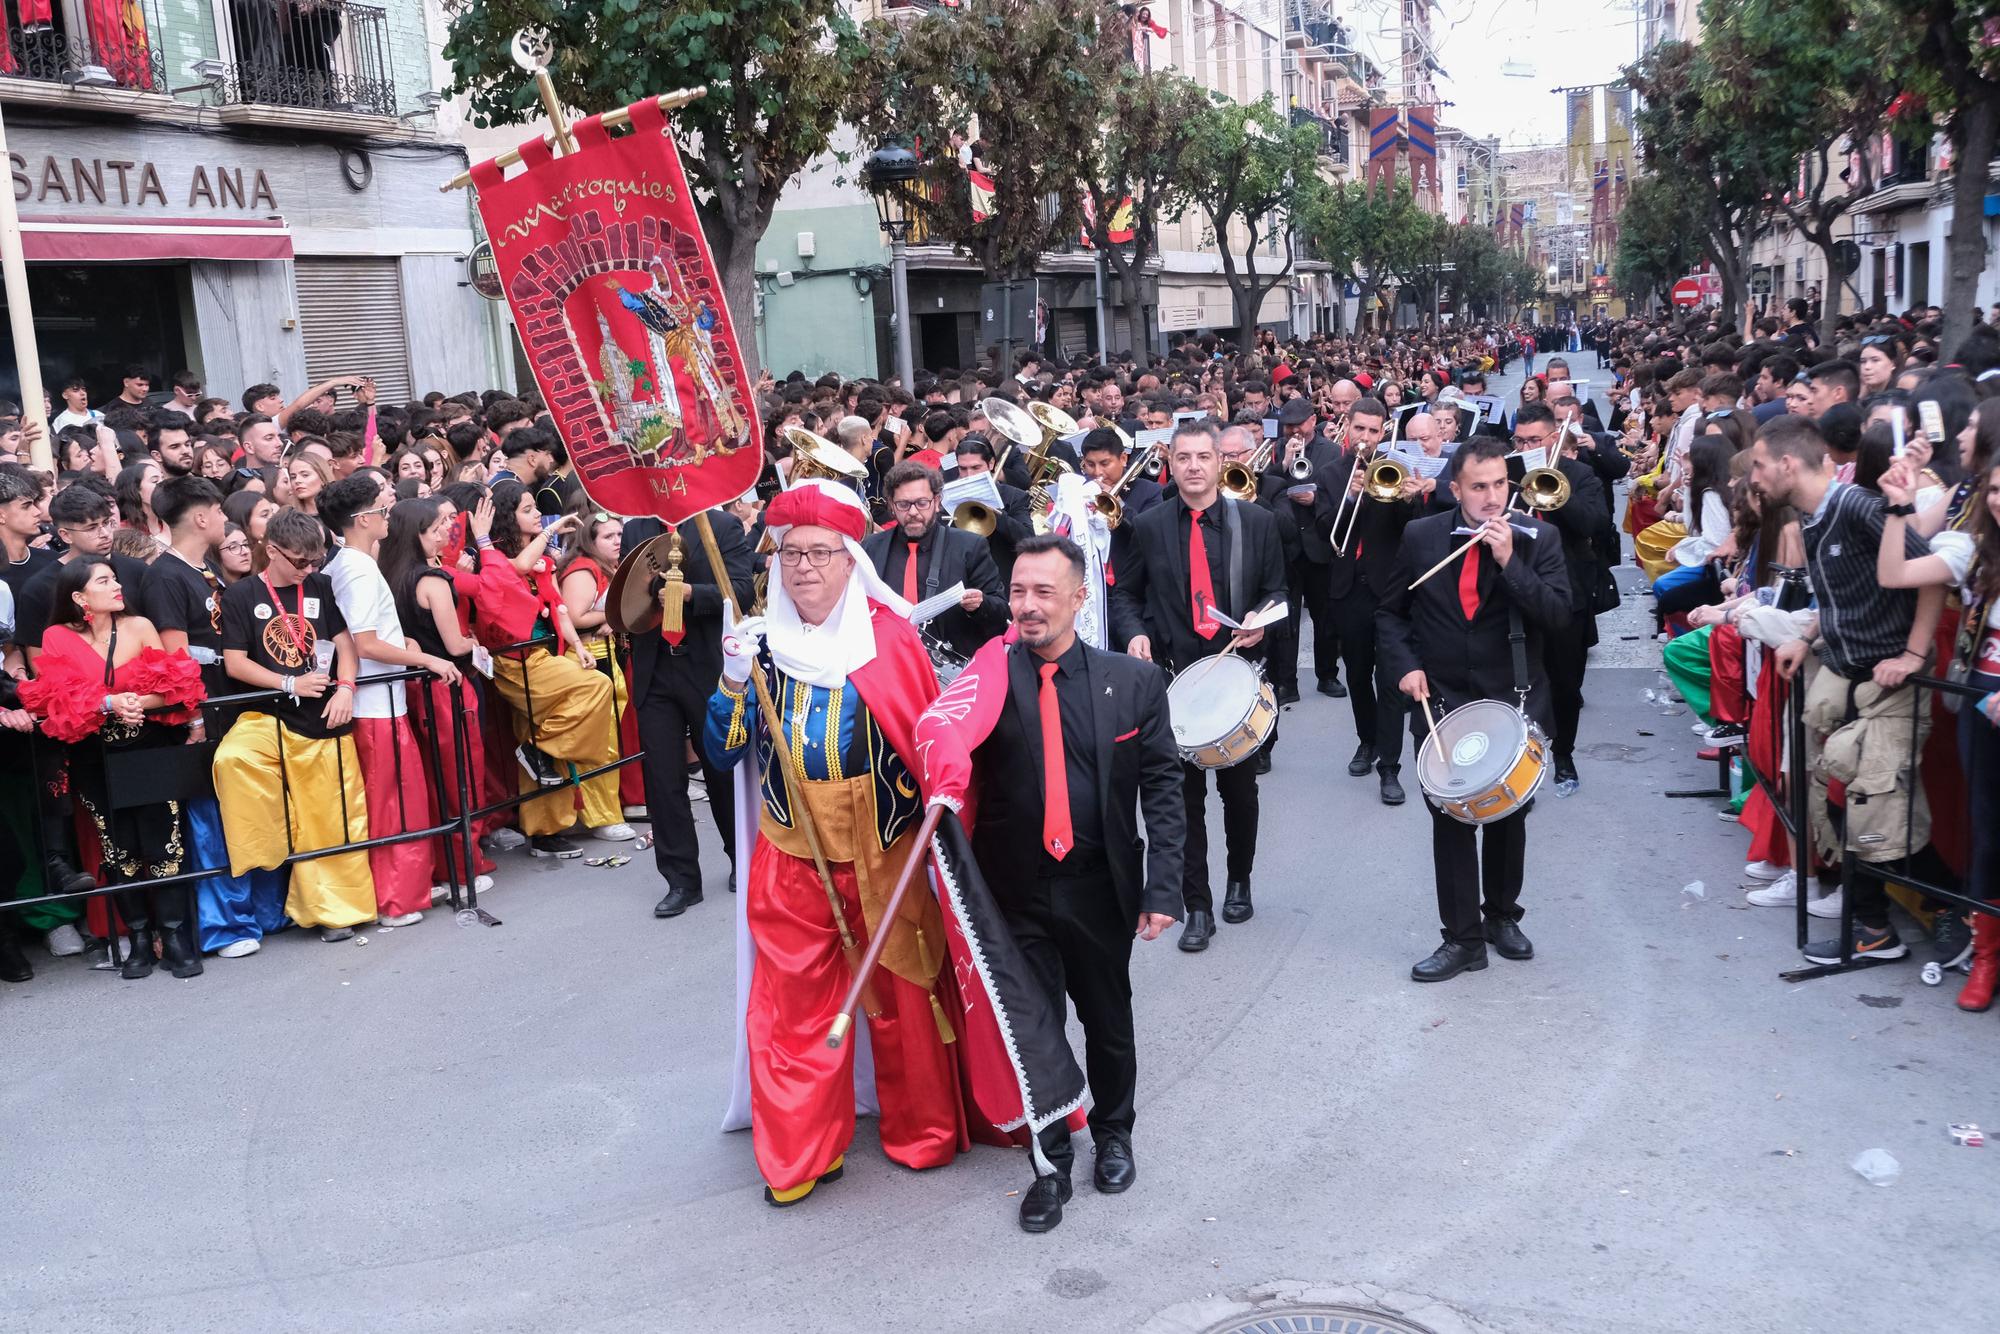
{"points": [[66, 419], [367, 604]]}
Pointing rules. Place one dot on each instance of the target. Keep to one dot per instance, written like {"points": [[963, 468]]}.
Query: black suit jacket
{"points": [[1374, 535], [1425, 629], [1142, 495], [1152, 594], [701, 647], [1583, 523], [1138, 768], [1298, 531], [949, 557]]}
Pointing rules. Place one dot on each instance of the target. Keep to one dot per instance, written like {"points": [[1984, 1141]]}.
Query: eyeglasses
{"points": [[1531, 441], [1876, 340], [233, 548], [817, 557], [912, 506], [379, 509]]}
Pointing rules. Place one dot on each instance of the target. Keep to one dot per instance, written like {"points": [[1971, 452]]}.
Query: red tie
{"points": [[910, 576], [1468, 583], [1199, 582], [1055, 774]]}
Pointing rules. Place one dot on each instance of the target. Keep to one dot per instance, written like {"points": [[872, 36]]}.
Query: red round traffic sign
{"points": [[1687, 292]]}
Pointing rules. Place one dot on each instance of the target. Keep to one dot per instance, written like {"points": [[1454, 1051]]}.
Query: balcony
{"points": [[293, 64], [1309, 25], [1332, 140], [74, 47]]}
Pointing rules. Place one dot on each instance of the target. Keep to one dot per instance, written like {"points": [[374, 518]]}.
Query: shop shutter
{"points": [[1073, 334], [351, 313]]}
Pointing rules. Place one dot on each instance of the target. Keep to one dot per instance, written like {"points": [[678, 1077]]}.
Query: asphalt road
{"points": [[515, 1128]]}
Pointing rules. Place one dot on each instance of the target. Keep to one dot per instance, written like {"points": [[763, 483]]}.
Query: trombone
{"points": [[1238, 477], [1544, 488], [1108, 503], [1382, 481]]}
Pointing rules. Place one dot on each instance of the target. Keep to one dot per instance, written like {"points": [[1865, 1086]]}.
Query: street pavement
{"points": [[515, 1128]]}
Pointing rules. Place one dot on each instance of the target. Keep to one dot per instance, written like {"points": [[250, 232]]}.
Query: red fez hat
{"points": [[814, 507]]}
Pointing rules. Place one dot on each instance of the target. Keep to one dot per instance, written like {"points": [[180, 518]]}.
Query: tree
{"points": [[1249, 166], [1150, 124], [1389, 238], [778, 74], [1659, 239], [1028, 78], [1711, 161], [1798, 83]]}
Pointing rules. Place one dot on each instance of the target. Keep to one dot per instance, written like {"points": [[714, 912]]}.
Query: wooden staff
{"points": [[836, 1032], [1464, 546], [559, 135]]}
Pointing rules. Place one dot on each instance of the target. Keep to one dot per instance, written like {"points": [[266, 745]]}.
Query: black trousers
{"points": [[1565, 654], [670, 716], [1378, 706], [1327, 634], [1079, 943], [1237, 786], [1281, 657], [1474, 863]]}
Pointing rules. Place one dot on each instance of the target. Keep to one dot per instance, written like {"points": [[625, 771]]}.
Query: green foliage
{"points": [[1658, 238]]}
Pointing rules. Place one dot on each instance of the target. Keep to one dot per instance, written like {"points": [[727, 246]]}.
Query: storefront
{"points": [[246, 258]]}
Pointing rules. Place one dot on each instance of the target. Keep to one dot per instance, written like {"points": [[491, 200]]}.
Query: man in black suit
{"points": [[921, 556], [1584, 524], [1105, 462], [1448, 642], [1153, 612], [1599, 452], [1058, 840], [671, 683], [1372, 532], [1292, 503]]}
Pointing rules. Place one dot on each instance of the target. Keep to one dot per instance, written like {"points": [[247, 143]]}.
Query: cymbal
{"points": [[631, 603]]}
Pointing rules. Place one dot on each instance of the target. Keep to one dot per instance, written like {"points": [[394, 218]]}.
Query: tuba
{"points": [[1034, 429], [813, 455]]}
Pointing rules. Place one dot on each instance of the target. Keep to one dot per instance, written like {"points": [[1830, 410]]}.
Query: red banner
{"points": [[623, 320]]}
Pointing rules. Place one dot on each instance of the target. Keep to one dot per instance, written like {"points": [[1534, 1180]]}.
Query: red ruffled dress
{"points": [[67, 694]]}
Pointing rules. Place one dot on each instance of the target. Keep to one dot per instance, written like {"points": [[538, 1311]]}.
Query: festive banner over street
{"points": [[622, 318], [1580, 128], [1383, 142], [1424, 154]]}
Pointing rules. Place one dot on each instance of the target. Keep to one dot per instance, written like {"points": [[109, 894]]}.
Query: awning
{"points": [[97, 240]]}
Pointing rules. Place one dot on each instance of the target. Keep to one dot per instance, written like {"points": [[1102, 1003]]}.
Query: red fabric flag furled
{"points": [[622, 316]]}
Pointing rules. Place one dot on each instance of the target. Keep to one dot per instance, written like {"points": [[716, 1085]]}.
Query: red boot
{"points": [[1977, 993]]}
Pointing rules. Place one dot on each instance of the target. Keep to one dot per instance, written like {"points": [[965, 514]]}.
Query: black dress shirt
{"points": [[1073, 707]]}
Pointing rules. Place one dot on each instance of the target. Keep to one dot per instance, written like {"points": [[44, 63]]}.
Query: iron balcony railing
{"points": [[319, 55], [95, 46]]}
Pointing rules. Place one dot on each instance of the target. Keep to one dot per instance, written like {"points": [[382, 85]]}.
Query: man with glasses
{"points": [[849, 677], [921, 556], [287, 776]]}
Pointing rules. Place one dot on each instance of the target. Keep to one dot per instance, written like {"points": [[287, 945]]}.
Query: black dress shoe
{"points": [[1114, 1173], [1236, 903], [1392, 786], [676, 902], [1262, 764], [1450, 960], [1041, 1207], [1332, 686], [1288, 694], [1194, 936], [1508, 942], [66, 879], [1363, 761], [732, 882], [14, 965]]}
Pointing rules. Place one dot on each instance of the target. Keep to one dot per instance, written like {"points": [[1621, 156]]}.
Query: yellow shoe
{"points": [[781, 1199]]}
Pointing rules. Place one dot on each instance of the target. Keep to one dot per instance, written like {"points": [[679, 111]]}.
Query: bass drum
{"points": [[1222, 711], [1484, 761]]}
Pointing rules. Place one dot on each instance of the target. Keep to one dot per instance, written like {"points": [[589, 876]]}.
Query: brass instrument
{"points": [[1382, 481], [813, 455], [1545, 488], [1034, 428], [1108, 504], [1238, 478], [976, 518]]}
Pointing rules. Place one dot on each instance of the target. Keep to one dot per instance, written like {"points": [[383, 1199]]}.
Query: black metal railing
{"points": [[81, 48], [320, 55], [1313, 19]]}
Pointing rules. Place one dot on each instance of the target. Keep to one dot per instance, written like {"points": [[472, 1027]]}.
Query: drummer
{"points": [[1198, 553], [1473, 631]]}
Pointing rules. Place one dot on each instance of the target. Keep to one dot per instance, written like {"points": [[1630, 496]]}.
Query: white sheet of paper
{"points": [[922, 613], [1268, 614]]}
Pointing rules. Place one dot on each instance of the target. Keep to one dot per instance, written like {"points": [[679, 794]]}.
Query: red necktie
{"points": [[1199, 582], [1055, 774], [1468, 583], [910, 576]]}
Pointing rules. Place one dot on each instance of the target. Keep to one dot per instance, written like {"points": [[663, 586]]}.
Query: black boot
{"points": [[62, 878], [140, 964], [181, 956], [1363, 761], [1236, 906], [1392, 785], [1194, 936], [14, 965]]}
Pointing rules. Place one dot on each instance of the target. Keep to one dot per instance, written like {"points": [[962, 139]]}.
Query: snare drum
{"points": [[1483, 763], [1222, 710]]}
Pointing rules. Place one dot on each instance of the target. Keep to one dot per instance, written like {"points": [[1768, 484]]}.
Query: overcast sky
{"points": [[1559, 42]]}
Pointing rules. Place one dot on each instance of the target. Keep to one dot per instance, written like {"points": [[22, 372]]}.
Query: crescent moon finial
{"points": [[532, 49]]}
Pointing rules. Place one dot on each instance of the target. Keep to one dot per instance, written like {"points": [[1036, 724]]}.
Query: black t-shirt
{"points": [[36, 601], [281, 636], [181, 597], [18, 577]]}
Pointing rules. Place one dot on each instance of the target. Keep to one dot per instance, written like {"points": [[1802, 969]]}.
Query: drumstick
{"points": [[1463, 547], [1431, 715]]}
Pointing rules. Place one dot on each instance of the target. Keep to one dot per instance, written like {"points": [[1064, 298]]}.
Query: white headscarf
{"points": [[825, 654]]}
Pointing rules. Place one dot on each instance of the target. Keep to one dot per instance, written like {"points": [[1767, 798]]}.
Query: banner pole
{"points": [[21, 318]]}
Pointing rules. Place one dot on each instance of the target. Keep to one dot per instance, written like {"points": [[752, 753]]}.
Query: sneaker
{"points": [[333, 935], [615, 833], [1726, 735], [1951, 937], [239, 949], [439, 893], [1826, 905], [64, 941], [1870, 942], [552, 845], [482, 884], [1765, 871], [1779, 894], [505, 839], [401, 919], [1728, 816]]}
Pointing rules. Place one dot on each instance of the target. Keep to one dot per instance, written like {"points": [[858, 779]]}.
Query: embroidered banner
{"points": [[622, 316], [1423, 154], [1384, 139]]}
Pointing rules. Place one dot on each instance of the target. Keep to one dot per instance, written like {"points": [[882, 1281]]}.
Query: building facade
{"points": [[244, 188]]}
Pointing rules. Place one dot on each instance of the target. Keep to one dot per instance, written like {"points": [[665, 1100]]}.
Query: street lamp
{"points": [[891, 177]]}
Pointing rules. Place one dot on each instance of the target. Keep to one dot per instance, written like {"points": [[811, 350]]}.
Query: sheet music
{"points": [[1159, 435], [923, 612], [1268, 614], [979, 486], [1419, 463]]}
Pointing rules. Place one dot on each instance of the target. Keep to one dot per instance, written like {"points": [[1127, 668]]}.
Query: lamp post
{"points": [[891, 177]]}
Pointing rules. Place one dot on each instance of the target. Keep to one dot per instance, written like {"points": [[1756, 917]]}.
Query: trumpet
{"points": [[1238, 477]]}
